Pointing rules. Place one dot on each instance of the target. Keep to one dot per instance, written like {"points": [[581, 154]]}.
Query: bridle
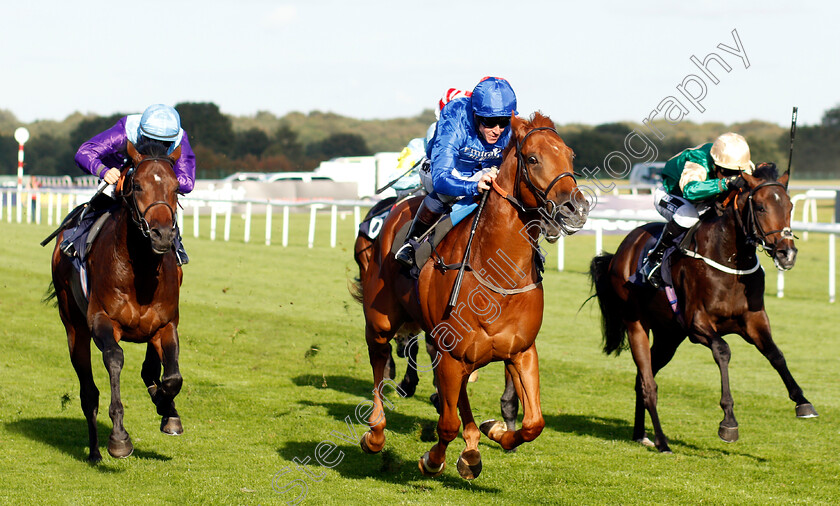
{"points": [[139, 218], [752, 229], [544, 205]]}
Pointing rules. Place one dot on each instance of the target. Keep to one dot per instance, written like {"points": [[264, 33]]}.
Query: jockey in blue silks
{"points": [[464, 153], [105, 155]]}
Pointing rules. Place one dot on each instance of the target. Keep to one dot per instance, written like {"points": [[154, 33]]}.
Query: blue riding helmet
{"points": [[160, 122], [493, 97]]}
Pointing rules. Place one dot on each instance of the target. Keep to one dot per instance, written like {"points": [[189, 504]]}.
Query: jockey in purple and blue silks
{"points": [[464, 153], [105, 155]]}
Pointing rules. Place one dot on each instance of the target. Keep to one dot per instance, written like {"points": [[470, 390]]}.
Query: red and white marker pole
{"points": [[21, 135]]}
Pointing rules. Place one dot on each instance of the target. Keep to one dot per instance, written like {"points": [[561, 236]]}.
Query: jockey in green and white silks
{"points": [[691, 177]]}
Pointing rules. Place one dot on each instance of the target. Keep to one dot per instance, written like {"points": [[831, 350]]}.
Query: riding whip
{"points": [[456, 289], [380, 190], [792, 136], [81, 214]]}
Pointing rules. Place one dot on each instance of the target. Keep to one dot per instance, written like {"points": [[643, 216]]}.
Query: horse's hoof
{"points": [[806, 411], [493, 429], [171, 425], [728, 434], [408, 388], [644, 441], [431, 472], [94, 457], [469, 464], [365, 448], [120, 449]]}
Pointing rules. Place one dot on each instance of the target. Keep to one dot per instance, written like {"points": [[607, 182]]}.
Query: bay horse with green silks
{"points": [[499, 310], [133, 292], [718, 285]]}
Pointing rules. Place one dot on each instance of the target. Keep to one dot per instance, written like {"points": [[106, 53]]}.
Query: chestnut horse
{"points": [[134, 284], [719, 287], [408, 338], [535, 192]]}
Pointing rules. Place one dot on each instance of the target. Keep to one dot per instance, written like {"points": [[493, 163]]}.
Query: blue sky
{"points": [[589, 62]]}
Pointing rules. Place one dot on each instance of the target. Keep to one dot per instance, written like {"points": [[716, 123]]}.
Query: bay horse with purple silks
{"points": [[535, 193], [134, 285], [719, 287]]}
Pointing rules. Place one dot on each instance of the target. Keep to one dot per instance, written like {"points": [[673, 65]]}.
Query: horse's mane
{"points": [[767, 172], [152, 147], [539, 120]]}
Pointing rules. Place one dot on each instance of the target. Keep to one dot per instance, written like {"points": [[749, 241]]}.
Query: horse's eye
{"points": [[532, 160], [759, 208]]}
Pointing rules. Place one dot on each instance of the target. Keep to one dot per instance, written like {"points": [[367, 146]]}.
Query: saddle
{"points": [[423, 249]]}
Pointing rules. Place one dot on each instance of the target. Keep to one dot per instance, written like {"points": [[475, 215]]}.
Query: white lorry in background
{"points": [[368, 172]]}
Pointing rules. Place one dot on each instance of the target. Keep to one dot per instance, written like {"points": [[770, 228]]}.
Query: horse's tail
{"points": [[615, 333], [361, 255], [50, 295], [356, 290]]}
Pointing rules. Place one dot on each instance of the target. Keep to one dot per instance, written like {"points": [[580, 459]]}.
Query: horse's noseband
{"points": [[139, 218]]}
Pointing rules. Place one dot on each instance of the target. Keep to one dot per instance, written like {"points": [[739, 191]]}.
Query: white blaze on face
{"points": [[157, 178]]}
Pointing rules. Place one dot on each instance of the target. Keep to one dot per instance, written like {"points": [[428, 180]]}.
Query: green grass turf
{"points": [[273, 359]]}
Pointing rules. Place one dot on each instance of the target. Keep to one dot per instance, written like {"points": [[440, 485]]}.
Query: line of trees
{"points": [[266, 143]]}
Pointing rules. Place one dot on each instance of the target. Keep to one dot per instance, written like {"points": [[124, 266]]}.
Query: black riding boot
{"points": [[180, 252], [423, 220], [651, 268]]}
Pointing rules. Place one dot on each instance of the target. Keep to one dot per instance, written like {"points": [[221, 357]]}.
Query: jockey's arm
{"points": [[444, 155], [91, 154], [694, 180], [185, 167]]}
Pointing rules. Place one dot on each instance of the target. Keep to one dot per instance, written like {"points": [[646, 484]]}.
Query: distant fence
{"points": [[58, 202]]}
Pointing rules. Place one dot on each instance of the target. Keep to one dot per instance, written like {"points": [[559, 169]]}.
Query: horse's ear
{"points": [[175, 154], [518, 126], [785, 179], [132, 153], [751, 180]]}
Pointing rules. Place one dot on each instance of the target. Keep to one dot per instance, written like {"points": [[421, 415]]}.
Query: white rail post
{"points": [[561, 253], [780, 285], [285, 226], [195, 219], [356, 219], [832, 268], [9, 206], [268, 224], [248, 208], [50, 199], [1, 204], [228, 212], [312, 211], [212, 222], [599, 239], [333, 224], [38, 208]]}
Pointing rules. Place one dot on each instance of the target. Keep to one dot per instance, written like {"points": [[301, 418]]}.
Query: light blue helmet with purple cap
{"points": [[160, 122]]}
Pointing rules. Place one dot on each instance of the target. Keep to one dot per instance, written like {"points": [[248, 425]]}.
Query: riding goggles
{"points": [[492, 122]]}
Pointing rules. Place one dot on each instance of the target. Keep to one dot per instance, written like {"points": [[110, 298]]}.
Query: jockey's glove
{"points": [[735, 183]]}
